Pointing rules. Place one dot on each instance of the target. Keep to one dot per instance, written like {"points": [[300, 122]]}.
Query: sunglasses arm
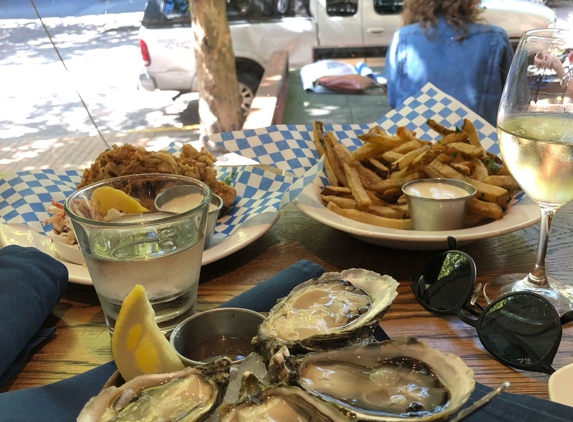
{"points": [[465, 318], [567, 318]]}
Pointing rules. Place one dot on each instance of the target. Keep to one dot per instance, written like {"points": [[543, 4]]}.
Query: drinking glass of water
{"points": [[125, 241], [535, 135]]}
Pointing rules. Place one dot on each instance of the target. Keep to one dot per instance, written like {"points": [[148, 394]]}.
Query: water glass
{"points": [[161, 251]]}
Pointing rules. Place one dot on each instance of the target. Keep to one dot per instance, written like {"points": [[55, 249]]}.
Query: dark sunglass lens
{"points": [[446, 282], [521, 328]]}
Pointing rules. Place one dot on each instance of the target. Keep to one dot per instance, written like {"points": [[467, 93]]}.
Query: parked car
{"points": [[359, 28]]}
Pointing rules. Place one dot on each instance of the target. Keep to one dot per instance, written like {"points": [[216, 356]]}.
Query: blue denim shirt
{"points": [[473, 70]]}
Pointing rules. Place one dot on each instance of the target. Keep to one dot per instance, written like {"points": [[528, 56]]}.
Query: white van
{"points": [[307, 29]]}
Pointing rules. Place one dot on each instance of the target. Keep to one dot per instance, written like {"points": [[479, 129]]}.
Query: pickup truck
{"points": [[353, 28]]}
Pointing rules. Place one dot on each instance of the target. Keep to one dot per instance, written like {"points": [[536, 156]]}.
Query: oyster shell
{"points": [[187, 395], [260, 402], [394, 380], [332, 311]]}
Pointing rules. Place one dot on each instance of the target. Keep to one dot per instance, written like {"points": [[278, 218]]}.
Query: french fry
{"points": [[445, 170], [377, 130], [431, 173], [375, 165], [367, 151], [489, 193], [330, 175], [461, 168], [405, 160], [469, 128], [480, 171], [395, 183], [405, 134], [367, 176], [392, 156], [408, 146], [391, 195], [436, 127], [337, 190], [453, 138], [365, 217], [318, 137], [384, 211], [485, 209], [466, 149], [381, 140], [336, 163], [355, 184], [340, 201], [504, 181]]}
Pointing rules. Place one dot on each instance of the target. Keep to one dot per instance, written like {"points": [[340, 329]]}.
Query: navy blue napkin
{"points": [[31, 284], [63, 400]]}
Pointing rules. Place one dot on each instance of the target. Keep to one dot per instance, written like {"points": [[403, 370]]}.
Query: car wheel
{"points": [[248, 84]]}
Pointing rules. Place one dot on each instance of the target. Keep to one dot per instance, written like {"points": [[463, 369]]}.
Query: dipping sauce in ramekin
{"points": [[438, 204]]}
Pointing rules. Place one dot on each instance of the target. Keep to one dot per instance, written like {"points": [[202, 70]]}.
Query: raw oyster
{"points": [[394, 380], [334, 310], [188, 395], [260, 402]]}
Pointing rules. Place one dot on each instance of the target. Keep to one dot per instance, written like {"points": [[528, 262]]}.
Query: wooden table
{"points": [[82, 341]]}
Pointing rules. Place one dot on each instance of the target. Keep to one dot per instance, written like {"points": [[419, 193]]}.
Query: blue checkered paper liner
{"points": [[25, 196]]}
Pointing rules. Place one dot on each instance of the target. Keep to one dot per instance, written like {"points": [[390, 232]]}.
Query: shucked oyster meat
{"points": [[258, 402], [189, 395], [334, 310], [395, 380]]}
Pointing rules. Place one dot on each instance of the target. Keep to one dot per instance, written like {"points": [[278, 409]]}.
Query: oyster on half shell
{"points": [[394, 380], [334, 310], [187, 395], [258, 402]]}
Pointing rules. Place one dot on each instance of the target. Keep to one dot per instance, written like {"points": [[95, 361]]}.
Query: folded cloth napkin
{"points": [[31, 284], [63, 400]]}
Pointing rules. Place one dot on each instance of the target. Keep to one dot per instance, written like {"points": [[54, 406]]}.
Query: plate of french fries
{"points": [[360, 190]]}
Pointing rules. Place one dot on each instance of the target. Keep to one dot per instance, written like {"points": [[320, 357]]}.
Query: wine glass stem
{"points": [[537, 276]]}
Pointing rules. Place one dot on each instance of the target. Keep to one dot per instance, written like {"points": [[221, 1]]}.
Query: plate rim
{"points": [[309, 203], [249, 231]]}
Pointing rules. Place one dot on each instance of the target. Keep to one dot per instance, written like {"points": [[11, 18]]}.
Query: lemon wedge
{"points": [[105, 198], [138, 346]]}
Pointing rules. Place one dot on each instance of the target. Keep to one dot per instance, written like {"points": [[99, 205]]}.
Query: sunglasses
{"points": [[520, 329]]}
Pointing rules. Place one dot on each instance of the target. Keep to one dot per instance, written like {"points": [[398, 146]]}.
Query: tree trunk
{"points": [[219, 97]]}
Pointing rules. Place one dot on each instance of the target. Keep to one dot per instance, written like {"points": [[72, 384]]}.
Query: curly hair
{"points": [[457, 13]]}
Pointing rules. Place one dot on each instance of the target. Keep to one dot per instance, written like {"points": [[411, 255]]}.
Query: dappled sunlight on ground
{"points": [[103, 60]]}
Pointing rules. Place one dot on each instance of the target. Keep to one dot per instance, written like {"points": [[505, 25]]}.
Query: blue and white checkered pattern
{"points": [[24, 197]]}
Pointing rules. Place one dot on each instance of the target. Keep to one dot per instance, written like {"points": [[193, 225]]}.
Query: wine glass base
{"points": [[558, 293]]}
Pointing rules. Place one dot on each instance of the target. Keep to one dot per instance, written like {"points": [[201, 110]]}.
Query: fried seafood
{"points": [[128, 159]]}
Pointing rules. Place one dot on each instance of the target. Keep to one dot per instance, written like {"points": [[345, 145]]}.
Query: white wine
{"points": [[538, 151]]}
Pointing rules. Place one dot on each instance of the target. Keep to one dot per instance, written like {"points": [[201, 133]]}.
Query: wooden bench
{"points": [[268, 105]]}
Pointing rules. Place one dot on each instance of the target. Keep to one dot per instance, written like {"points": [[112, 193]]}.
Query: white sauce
{"points": [[185, 203], [436, 190]]}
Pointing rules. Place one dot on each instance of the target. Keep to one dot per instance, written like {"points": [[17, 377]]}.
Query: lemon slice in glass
{"points": [[138, 346], [105, 198]]}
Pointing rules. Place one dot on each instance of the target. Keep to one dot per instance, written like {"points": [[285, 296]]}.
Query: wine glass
{"points": [[535, 135]]}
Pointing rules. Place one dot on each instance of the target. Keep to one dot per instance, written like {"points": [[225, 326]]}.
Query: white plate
{"points": [[523, 214], [251, 230]]}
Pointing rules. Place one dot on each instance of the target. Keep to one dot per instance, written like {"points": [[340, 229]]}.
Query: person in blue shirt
{"points": [[445, 42]]}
